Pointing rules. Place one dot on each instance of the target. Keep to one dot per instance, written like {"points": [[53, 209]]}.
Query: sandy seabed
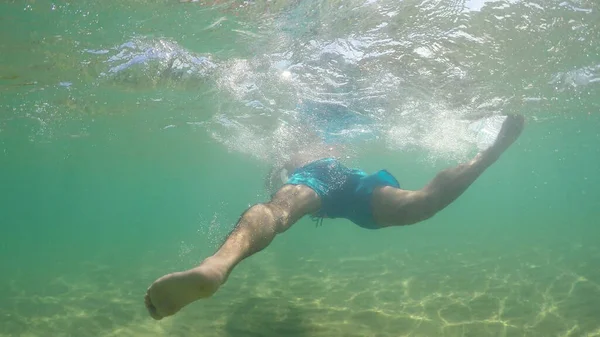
{"points": [[533, 292]]}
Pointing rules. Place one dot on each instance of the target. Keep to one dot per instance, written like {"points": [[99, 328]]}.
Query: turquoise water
{"points": [[134, 133]]}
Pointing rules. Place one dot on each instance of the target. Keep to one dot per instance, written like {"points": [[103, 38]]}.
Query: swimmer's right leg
{"points": [[254, 231]]}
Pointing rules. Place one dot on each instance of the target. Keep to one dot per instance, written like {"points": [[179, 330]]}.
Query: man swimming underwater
{"points": [[320, 185]]}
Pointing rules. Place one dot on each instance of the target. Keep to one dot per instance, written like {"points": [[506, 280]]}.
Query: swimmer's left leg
{"points": [[254, 231], [396, 207]]}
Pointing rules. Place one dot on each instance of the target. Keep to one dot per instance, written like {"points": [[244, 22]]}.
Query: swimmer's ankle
{"points": [[218, 266]]}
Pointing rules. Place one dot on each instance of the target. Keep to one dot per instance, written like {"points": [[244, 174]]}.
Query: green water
{"points": [[110, 179]]}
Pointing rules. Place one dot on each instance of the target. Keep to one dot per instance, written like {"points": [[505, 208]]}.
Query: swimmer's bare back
{"points": [[279, 173]]}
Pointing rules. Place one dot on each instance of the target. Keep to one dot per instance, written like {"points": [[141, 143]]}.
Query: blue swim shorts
{"points": [[344, 192]]}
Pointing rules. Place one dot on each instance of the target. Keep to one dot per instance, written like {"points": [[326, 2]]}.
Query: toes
{"points": [[151, 308], [518, 123], [517, 119], [513, 124]]}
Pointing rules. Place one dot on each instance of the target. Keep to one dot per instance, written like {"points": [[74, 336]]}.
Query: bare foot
{"points": [[510, 131], [170, 293]]}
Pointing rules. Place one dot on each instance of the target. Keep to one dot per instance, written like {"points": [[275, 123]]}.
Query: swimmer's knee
{"points": [[269, 208], [277, 213], [426, 206]]}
